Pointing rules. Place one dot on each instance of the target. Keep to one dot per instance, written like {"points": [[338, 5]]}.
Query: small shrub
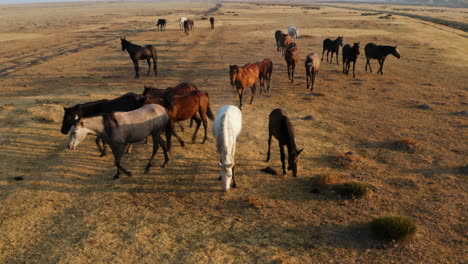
{"points": [[396, 227], [325, 182], [353, 189], [204, 18], [348, 160], [407, 144]]}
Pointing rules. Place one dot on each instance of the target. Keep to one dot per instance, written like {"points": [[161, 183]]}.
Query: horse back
{"points": [[280, 126], [248, 74], [312, 62], [265, 67]]}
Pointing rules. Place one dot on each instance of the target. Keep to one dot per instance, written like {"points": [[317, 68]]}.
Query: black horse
{"points": [[278, 35], [141, 53], [379, 53], [161, 24], [281, 128], [186, 27], [212, 22], [350, 54], [333, 46], [126, 102]]}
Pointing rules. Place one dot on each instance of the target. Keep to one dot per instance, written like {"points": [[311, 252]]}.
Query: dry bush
{"points": [[394, 227], [407, 144], [325, 182], [352, 189], [348, 160]]}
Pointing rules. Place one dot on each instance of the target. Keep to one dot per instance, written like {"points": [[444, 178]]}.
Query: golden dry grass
{"points": [[68, 210]]}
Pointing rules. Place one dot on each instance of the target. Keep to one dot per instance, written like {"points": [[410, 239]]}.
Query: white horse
{"points": [[181, 22], [226, 128], [293, 32]]}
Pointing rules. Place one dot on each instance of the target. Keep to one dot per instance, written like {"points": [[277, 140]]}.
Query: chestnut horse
{"points": [[243, 77], [291, 57], [285, 42], [265, 68], [281, 128], [185, 107]]}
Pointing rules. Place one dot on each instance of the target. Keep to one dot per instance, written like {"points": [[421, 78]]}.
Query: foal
{"points": [[350, 54], [281, 128], [226, 129], [136, 53], [292, 58], [333, 46], [122, 128], [243, 77]]}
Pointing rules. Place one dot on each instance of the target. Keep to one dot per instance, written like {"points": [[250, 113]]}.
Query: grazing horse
{"points": [[136, 53], [312, 65], [265, 68], [293, 32], [278, 38], [281, 128], [161, 24], [291, 57], [195, 104], [186, 27], [333, 46], [121, 128], [379, 53], [243, 77], [212, 20], [285, 42], [181, 22], [350, 54], [226, 129], [126, 102]]}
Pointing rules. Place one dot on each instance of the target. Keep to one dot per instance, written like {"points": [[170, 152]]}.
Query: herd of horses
{"points": [[133, 117]]}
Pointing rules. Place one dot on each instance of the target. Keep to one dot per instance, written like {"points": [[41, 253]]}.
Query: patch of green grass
{"points": [[355, 189], [395, 227]]}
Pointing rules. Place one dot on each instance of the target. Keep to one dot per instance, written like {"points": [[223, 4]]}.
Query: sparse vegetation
{"points": [[348, 160], [394, 227], [407, 144], [352, 189], [325, 182]]}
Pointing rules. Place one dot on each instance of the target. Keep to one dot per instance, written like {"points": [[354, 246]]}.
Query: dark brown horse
{"points": [[212, 20], [291, 57], [379, 53], [191, 24], [350, 54], [186, 27], [278, 35], [332, 46], [312, 65], [265, 68], [161, 24], [137, 53], [281, 128], [126, 102], [243, 77], [185, 107]]}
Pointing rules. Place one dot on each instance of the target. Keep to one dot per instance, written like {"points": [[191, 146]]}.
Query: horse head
{"points": [[77, 134], [70, 115], [123, 42], [293, 160], [395, 52], [339, 41], [226, 175], [233, 70], [356, 48]]}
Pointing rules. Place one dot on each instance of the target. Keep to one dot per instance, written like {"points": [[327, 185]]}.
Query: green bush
{"points": [[355, 189], [396, 227]]}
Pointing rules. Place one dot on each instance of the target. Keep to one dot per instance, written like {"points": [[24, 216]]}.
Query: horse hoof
{"points": [[147, 169], [234, 186], [115, 177], [164, 165]]}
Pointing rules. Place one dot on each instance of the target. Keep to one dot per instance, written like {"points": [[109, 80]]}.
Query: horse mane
{"points": [[109, 120]]}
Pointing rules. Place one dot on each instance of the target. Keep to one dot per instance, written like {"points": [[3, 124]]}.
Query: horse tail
{"points": [[109, 120], [208, 109]]}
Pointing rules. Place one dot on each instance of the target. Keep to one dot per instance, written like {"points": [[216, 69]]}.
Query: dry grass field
{"points": [[69, 210]]}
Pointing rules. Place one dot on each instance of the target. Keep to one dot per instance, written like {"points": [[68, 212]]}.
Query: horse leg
{"points": [[118, 151], [135, 65], [323, 52], [289, 72], [337, 53], [283, 157], [292, 74], [344, 61], [102, 149], [149, 65], [261, 84], [268, 82], [155, 63], [240, 93], [381, 66], [312, 80], [307, 78], [253, 88], [368, 62], [198, 120], [177, 136], [205, 125], [269, 146], [331, 57], [180, 125], [234, 183]]}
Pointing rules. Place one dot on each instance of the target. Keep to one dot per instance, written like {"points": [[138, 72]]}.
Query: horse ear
{"points": [[299, 152]]}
